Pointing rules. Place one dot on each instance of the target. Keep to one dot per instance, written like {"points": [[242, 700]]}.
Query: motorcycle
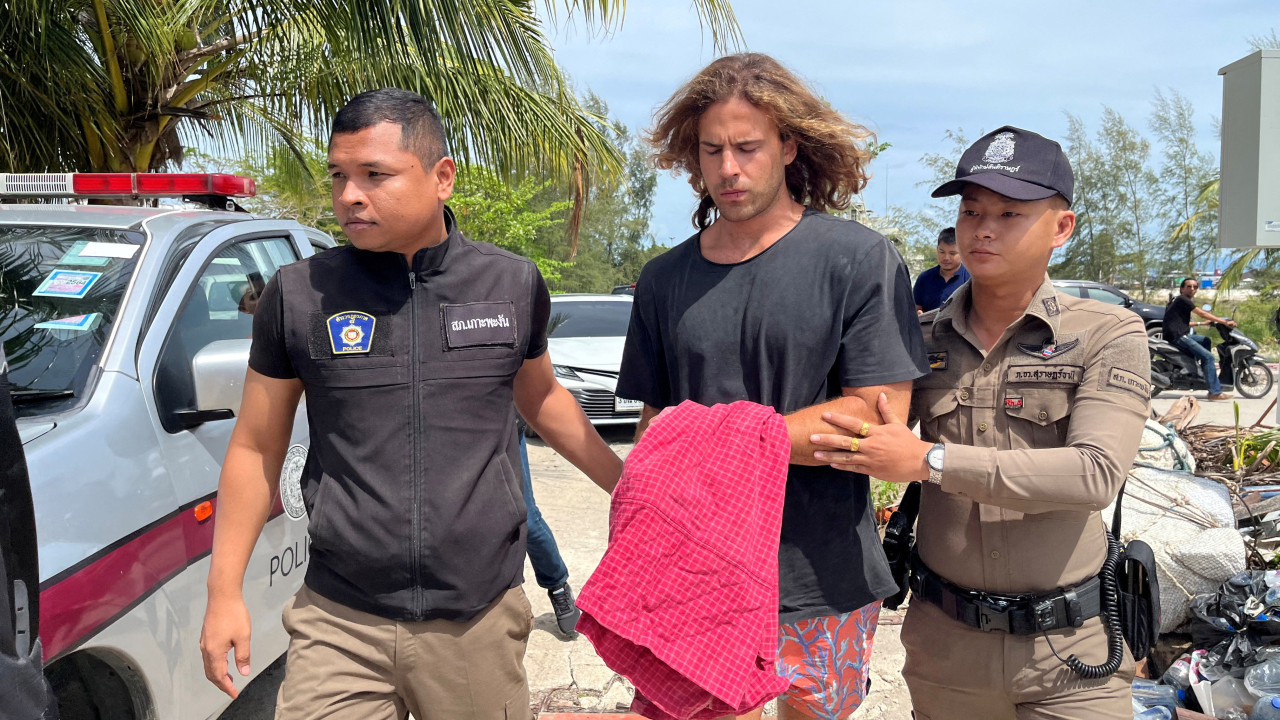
{"points": [[1172, 368]]}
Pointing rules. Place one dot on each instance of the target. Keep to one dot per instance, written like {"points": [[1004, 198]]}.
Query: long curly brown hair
{"points": [[831, 157]]}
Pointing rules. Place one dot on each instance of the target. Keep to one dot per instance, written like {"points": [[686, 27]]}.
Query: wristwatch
{"points": [[934, 459]]}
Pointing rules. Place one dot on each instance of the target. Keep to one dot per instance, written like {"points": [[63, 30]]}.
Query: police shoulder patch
{"points": [[351, 332], [1128, 381]]}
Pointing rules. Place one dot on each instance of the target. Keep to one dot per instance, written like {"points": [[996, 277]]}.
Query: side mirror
{"points": [[218, 372]]}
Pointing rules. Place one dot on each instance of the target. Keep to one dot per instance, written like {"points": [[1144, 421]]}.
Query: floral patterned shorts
{"points": [[828, 662]]}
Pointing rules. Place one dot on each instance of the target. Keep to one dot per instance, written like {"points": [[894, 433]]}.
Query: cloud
{"points": [[913, 69]]}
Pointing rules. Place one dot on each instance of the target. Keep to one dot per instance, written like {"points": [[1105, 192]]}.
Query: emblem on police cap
{"points": [[1001, 148], [291, 482], [351, 332]]}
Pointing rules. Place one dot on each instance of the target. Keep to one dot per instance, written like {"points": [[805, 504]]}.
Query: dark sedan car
{"points": [[1152, 315]]}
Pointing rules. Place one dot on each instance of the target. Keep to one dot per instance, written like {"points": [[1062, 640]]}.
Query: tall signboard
{"points": [[1249, 196]]}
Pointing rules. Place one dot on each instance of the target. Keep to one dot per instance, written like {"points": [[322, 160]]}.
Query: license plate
{"points": [[625, 405]]}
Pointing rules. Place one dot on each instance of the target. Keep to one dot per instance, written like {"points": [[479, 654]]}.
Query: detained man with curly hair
{"points": [[776, 301]]}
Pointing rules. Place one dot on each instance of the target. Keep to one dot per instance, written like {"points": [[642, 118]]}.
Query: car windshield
{"points": [[60, 290], [589, 318]]}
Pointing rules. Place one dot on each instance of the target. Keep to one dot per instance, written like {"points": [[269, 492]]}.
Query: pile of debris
{"points": [[1207, 500]]}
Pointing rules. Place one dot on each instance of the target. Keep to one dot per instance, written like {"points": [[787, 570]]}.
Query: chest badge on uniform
{"points": [[1013, 403], [351, 332], [938, 360], [1048, 350]]}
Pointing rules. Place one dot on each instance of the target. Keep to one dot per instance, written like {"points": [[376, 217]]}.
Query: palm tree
{"points": [[123, 85], [1207, 201]]}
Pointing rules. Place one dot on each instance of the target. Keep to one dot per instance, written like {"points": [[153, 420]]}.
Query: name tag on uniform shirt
{"points": [[351, 332], [479, 324], [1055, 374]]}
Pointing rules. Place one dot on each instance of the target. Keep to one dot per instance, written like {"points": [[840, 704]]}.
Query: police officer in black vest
{"points": [[411, 344]]}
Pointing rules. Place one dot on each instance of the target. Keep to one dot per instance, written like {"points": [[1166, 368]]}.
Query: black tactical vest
{"points": [[413, 482]]}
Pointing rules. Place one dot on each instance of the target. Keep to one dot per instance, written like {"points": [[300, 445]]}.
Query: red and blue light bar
{"points": [[130, 185]]}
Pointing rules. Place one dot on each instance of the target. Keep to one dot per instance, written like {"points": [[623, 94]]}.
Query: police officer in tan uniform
{"points": [[1029, 422]]}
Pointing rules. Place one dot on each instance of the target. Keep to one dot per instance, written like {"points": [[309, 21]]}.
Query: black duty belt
{"points": [[1014, 614]]}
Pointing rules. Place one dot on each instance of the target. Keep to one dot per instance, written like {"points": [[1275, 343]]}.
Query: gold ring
{"points": [[865, 430], [853, 444]]}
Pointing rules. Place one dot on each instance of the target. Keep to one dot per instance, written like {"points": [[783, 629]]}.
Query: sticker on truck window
{"points": [[76, 255], [75, 323], [67, 284], [96, 250]]}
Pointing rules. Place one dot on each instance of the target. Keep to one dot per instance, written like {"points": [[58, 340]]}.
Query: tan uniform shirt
{"points": [[1040, 433]]}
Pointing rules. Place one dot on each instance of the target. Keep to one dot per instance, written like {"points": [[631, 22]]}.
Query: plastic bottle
{"points": [[1268, 708], [1263, 679], [1155, 713], [1179, 673], [1272, 578], [1230, 694], [1150, 694]]}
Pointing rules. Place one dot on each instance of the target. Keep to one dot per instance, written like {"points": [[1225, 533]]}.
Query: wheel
{"points": [[1254, 380], [1155, 332]]}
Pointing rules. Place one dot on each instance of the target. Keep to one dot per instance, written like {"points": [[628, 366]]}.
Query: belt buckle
{"points": [[993, 614]]}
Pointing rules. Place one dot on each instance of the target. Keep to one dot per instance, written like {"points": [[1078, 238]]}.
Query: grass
{"points": [[884, 494]]}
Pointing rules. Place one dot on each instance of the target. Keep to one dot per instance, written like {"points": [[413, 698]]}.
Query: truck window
{"points": [[1106, 296], [219, 306], [60, 290]]}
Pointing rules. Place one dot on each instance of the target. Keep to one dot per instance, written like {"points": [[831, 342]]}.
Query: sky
{"points": [[913, 69]]}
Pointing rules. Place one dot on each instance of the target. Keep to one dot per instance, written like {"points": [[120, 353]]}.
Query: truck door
{"points": [[207, 316], [21, 682]]}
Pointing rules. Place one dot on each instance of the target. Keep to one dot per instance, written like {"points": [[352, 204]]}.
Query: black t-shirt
{"points": [[827, 306], [1177, 317], [268, 354]]}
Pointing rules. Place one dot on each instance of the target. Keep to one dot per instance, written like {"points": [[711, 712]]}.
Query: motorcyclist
{"points": [[1177, 331]]}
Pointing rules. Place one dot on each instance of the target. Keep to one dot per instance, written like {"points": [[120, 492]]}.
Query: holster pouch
{"points": [[1139, 591], [900, 541]]}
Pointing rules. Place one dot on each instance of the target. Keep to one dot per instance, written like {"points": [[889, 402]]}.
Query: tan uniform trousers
{"points": [[347, 665], [956, 672]]}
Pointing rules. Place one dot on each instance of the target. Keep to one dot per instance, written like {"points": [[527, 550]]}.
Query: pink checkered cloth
{"points": [[685, 602]]}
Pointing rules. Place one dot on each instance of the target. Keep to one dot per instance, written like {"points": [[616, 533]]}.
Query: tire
{"points": [[1156, 332], [1254, 380]]}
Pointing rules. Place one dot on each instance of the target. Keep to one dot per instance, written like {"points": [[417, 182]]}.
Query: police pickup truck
{"points": [[127, 335]]}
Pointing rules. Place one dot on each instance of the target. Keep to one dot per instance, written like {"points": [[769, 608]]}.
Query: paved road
{"points": [[1222, 412]]}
